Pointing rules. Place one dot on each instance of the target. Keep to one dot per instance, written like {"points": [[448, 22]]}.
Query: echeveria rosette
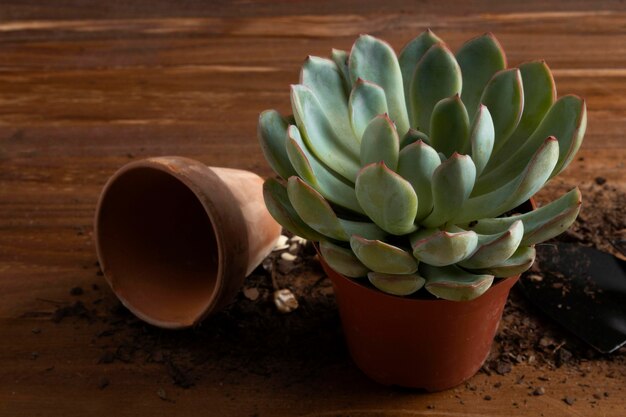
{"points": [[402, 167]]}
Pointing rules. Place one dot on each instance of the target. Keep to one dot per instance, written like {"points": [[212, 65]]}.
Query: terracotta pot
{"points": [[428, 344], [176, 238]]}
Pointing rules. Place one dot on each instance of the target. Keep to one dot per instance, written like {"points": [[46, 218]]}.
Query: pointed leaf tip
{"points": [[441, 248], [387, 198], [450, 126], [453, 283], [396, 284], [438, 63], [279, 206], [272, 135], [380, 142], [314, 209], [479, 58], [343, 260], [383, 257], [504, 97], [375, 60]]}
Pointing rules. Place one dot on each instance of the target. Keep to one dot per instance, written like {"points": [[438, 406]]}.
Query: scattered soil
{"points": [[251, 336], [601, 222], [526, 335], [103, 383], [77, 291]]}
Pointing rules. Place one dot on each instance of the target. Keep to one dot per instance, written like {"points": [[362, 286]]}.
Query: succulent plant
{"points": [[405, 168]]}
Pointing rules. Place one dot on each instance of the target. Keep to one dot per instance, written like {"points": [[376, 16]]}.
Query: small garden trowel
{"points": [[583, 289]]}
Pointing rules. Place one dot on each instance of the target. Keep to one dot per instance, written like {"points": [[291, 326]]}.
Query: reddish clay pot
{"points": [[429, 344], [176, 238]]}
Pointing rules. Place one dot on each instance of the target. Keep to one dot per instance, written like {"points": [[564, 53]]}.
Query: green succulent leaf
{"points": [[410, 56], [569, 145], [437, 64], [374, 60], [540, 224], [340, 58], [416, 164], [340, 154], [495, 249], [566, 120], [539, 95], [382, 257], [342, 260], [449, 126], [517, 190], [395, 284], [452, 183], [324, 78], [481, 138], [367, 101], [534, 176], [272, 134], [314, 209], [479, 58], [521, 261], [504, 97], [440, 247], [319, 215], [365, 229], [279, 206], [453, 283], [412, 136], [319, 176], [301, 159], [380, 142], [551, 228], [387, 198]]}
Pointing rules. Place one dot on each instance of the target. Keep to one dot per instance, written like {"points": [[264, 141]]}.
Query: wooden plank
{"points": [[85, 9]]}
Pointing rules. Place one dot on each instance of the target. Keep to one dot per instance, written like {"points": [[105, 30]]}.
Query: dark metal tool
{"points": [[584, 290]]}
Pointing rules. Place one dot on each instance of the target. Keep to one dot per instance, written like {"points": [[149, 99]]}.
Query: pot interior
{"points": [[157, 247]]}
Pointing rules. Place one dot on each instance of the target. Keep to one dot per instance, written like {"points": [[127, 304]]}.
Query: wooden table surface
{"points": [[87, 86]]}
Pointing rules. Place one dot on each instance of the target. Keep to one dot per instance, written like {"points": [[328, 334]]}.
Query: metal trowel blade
{"points": [[584, 290]]}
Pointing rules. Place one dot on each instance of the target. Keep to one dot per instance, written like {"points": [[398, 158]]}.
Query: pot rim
{"points": [[167, 165]]}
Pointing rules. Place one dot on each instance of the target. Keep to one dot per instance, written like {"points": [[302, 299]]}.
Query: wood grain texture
{"points": [[87, 86]]}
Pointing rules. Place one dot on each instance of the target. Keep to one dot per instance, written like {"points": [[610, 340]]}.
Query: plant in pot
{"points": [[415, 171]]}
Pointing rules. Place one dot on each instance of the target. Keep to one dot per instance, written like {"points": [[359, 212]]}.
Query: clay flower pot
{"points": [[428, 344], [176, 238], [418, 343]]}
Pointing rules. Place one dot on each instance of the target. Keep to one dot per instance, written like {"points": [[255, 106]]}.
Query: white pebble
{"points": [[281, 243], [285, 301], [288, 257], [298, 239], [294, 248]]}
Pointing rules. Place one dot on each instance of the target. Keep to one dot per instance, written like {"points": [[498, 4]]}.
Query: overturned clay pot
{"points": [[176, 238]]}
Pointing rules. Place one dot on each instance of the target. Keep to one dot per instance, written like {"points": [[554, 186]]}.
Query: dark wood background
{"points": [[87, 86]]}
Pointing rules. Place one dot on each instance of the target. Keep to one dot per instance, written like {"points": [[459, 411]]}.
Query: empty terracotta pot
{"points": [[176, 238], [428, 344]]}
